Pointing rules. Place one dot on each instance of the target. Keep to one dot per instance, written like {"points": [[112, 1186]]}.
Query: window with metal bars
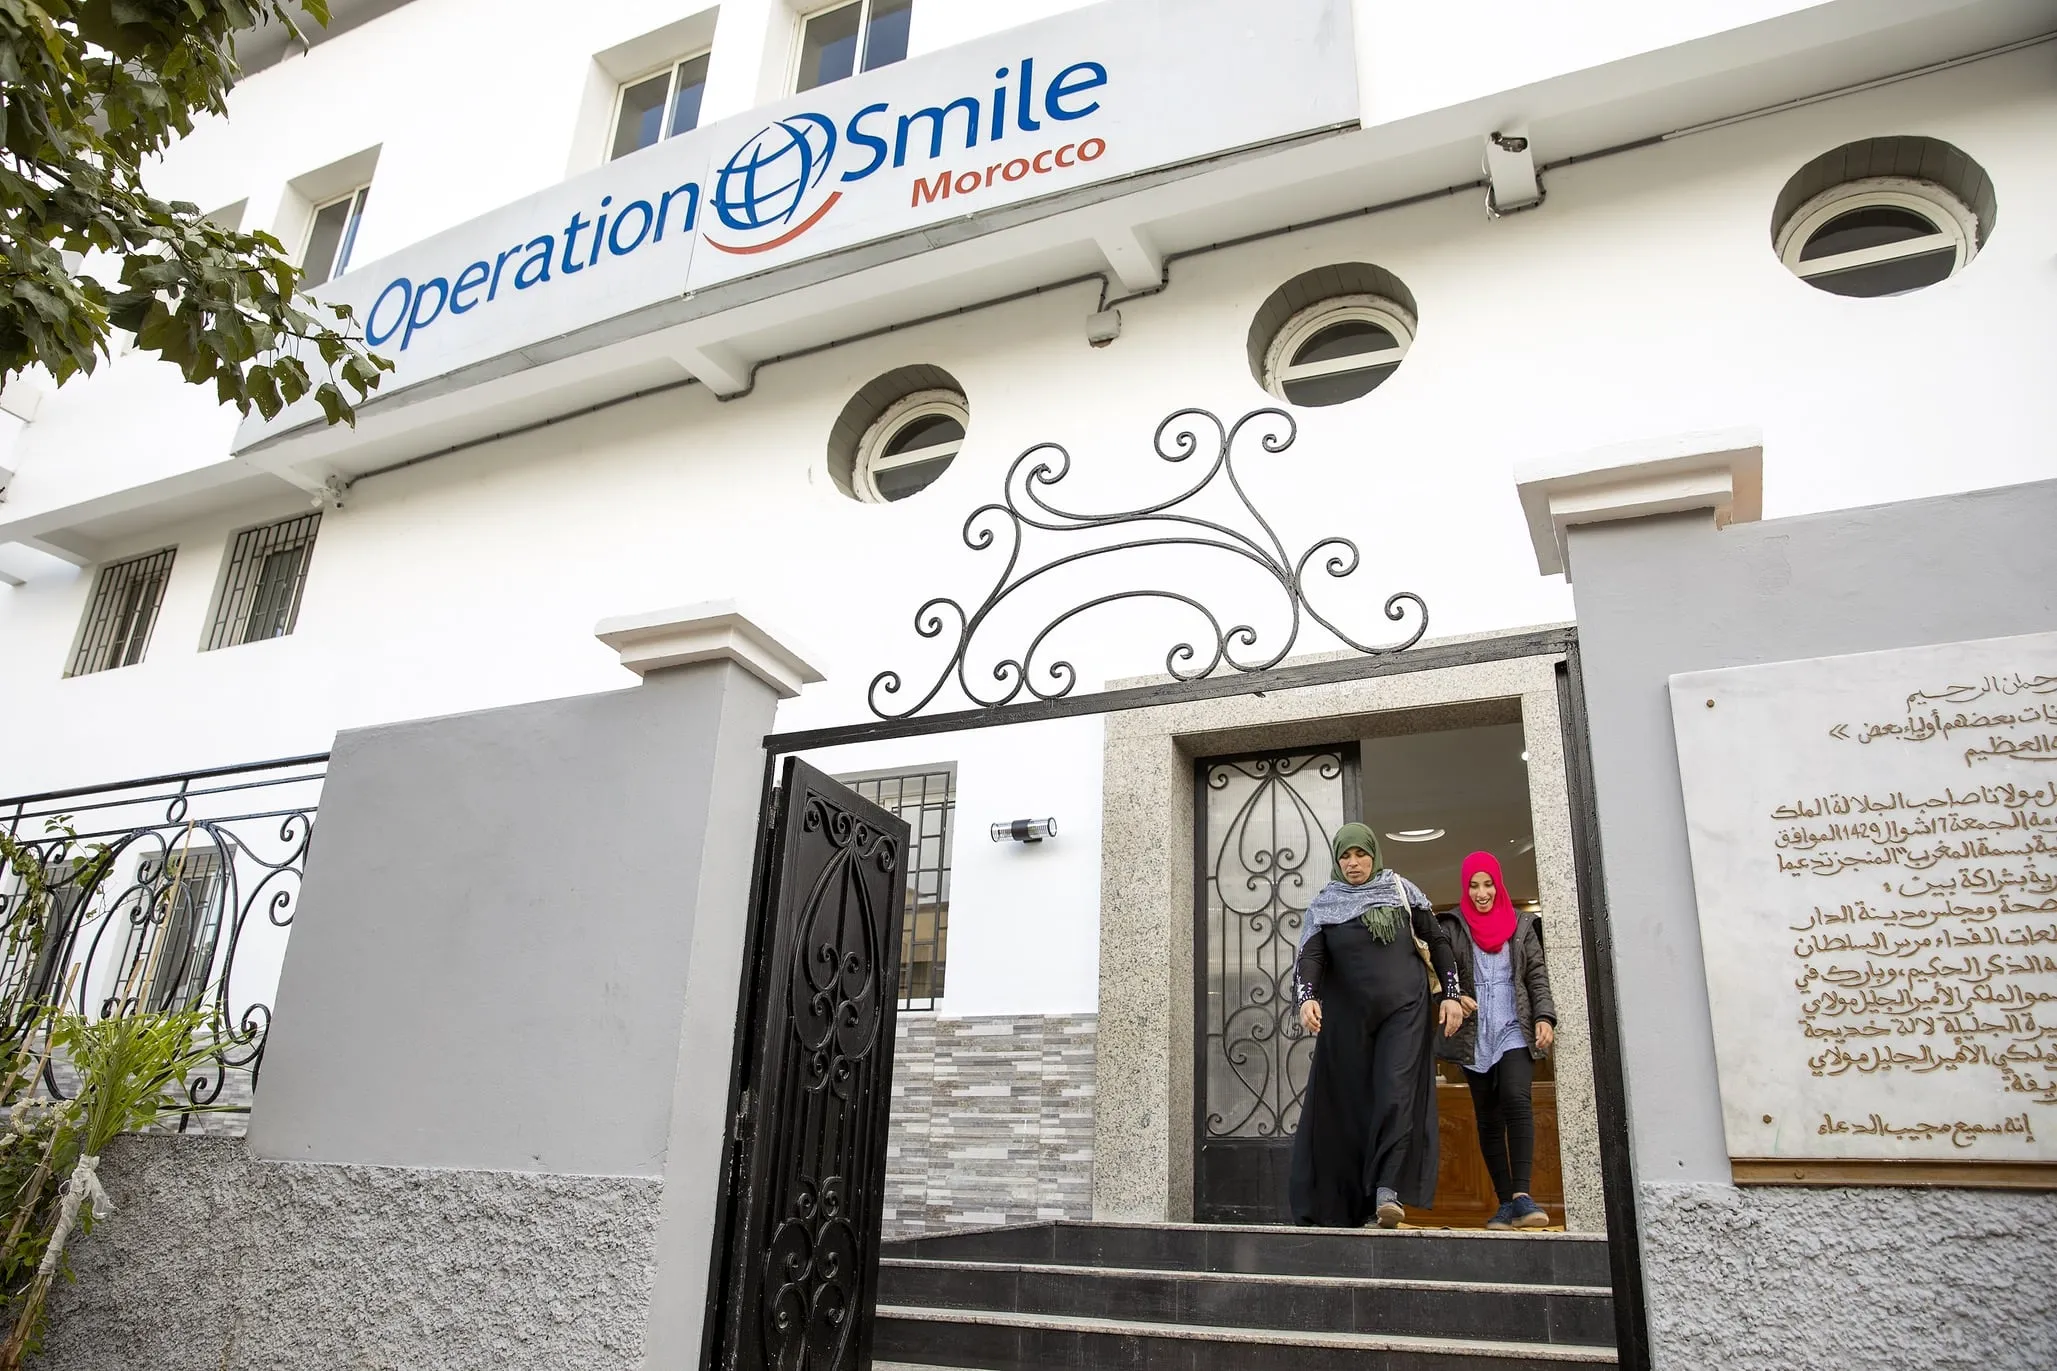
{"points": [[260, 594], [121, 613], [31, 969], [927, 800], [171, 948]]}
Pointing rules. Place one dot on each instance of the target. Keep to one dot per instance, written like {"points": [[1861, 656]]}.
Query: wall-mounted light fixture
{"points": [[1416, 835], [1025, 830]]}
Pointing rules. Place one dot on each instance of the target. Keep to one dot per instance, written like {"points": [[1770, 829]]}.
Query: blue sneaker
{"points": [[1527, 1213], [1503, 1218]]}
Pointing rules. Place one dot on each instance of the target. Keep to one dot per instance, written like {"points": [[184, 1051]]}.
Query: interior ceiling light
{"points": [[1416, 835]]}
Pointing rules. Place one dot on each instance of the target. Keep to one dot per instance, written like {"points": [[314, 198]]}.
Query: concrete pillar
{"points": [[519, 942]]}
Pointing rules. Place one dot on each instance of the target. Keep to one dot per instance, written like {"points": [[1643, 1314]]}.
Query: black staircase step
{"points": [[1452, 1309], [993, 1341], [1403, 1254]]}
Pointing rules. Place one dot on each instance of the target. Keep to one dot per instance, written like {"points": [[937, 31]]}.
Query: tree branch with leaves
{"points": [[90, 92]]}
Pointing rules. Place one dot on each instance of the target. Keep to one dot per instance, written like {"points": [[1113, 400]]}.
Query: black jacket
{"points": [[1532, 999]]}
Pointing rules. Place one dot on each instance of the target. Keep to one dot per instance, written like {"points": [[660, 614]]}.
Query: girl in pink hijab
{"points": [[1510, 1023]]}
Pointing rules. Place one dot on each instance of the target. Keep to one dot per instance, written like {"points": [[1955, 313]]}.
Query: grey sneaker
{"points": [[1389, 1210], [1527, 1213]]}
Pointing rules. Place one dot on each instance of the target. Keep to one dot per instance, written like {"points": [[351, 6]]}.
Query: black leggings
{"points": [[1506, 1123]]}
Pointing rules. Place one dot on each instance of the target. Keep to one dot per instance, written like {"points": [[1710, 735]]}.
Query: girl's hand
{"points": [[1310, 1016], [1470, 1005], [1546, 1034], [1453, 1018]]}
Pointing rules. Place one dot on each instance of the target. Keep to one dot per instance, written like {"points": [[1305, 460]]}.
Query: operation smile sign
{"points": [[1091, 96], [780, 185]]}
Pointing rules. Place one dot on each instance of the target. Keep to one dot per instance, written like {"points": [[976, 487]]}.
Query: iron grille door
{"points": [[810, 1151], [1262, 831]]}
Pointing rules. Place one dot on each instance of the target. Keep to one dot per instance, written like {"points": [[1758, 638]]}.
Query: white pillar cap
{"points": [[715, 631], [1722, 472]]}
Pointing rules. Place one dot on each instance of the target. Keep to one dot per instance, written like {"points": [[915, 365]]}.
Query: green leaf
{"points": [[333, 405], [94, 91], [264, 389]]}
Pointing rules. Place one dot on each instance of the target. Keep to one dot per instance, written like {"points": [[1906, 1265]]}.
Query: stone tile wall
{"points": [[992, 1122]]}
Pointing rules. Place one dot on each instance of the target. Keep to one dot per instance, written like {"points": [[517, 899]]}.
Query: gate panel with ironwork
{"points": [[1261, 834], [1263, 826], [808, 1179]]}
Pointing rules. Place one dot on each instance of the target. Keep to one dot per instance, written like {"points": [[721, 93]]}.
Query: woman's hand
{"points": [[1453, 1018], [1310, 1016], [1546, 1034], [1470, 1005]]}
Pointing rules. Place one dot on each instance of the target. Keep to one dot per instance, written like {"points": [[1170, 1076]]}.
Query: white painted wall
{"points": [[1643, 298], [1024, 918], [471, 104]]}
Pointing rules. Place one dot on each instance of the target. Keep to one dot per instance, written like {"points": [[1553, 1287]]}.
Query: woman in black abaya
{"points": [[1366, 1145]]}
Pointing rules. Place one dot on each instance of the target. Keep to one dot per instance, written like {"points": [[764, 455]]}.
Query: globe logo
{"points": [[767, 180]]}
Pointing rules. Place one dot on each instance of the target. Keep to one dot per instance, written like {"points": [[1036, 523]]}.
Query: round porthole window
{"points": [[910, 445], [1337, 350], [898, 434], [1332, 334], [1885, 238], [1883, 217]]}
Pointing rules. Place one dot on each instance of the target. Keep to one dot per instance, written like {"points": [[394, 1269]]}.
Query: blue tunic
{"points": [[1499, 1031]]}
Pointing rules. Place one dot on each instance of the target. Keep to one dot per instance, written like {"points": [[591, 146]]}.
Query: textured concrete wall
{"points": [[522, 905], [212, 1261], [1861, 1280], [992, 1121]]}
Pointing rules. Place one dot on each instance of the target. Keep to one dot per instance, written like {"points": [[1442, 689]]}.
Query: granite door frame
{"points": [[1144, 1067]]}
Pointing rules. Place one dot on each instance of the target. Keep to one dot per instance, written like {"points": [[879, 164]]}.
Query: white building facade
{"points": [[759, 303]]}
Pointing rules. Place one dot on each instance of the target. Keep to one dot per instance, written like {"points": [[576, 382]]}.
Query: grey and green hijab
{"points": [[1381, 903]]}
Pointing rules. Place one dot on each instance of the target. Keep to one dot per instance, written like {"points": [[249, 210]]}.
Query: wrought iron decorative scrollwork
{"points": [[1168, 523], [1267, 857], [838, 988], [173, 894]]}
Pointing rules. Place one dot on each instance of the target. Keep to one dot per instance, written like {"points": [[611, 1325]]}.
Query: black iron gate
{"points": [[1262, 826], [798, 1240], [808, 1155]]}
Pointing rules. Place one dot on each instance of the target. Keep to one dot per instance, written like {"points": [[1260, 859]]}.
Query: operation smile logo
{"points": [[776, 187]]}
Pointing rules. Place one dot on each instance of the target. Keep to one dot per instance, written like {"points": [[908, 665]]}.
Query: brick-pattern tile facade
{"points": [[227, 1114], [992, 1122]]}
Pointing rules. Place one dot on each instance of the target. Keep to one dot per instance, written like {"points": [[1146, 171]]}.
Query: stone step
{"points": [[1574, 1314], [991, 1341], [1404, 1254]]}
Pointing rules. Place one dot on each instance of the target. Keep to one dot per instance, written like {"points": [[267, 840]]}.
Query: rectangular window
{"points": [[331, 237], [862, 35], [121, 613], [927, 800], [172, 969], [660, 105], [260, 594], [35, 974]]}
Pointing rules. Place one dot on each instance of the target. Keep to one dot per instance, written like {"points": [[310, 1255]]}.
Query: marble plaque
{"points": [[1874, 844]]}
